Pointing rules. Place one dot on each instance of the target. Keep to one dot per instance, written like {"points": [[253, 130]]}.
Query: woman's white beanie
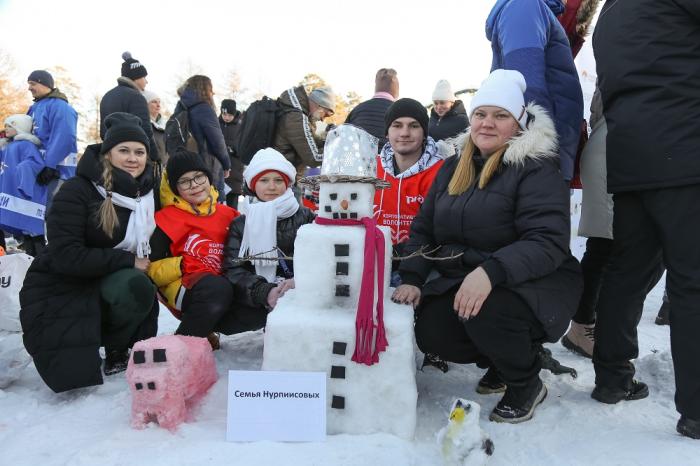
{"points": [[443, 91], [150, 96], [268, 159], [505, 89]]}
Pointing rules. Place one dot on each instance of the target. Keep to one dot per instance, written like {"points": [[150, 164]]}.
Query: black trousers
{"points": [[204, 305], [651, 228], [209, 306], [503, 334], [593, 265]]}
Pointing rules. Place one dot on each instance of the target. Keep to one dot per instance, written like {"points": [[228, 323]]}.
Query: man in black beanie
{"points": [[230, 123], [126, 97], [56, 126], [409, 162]]}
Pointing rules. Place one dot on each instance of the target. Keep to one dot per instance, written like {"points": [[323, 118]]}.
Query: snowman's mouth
{"points": [[337, 215]]}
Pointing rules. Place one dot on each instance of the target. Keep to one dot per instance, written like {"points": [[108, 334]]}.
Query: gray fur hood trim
{"points": [[27, 137], [539, 140], [128, 82]]}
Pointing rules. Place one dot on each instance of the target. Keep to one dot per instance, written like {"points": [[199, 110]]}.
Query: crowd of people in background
{"points": [[151, 212]]}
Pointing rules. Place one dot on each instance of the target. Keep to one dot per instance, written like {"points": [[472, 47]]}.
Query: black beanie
{"points": [[132, 68], [123, 127], [182, 162], [228, 106], [41, 77], [406, 108]]}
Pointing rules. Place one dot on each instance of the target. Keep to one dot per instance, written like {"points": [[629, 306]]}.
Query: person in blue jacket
{"points": [[56, 126], [196, 97], [526, 36], [22, 199]]}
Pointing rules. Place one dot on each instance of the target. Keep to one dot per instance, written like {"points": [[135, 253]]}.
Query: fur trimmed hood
{"points": [[584, 16], [124, 81], [27, 137], [539, 140]]}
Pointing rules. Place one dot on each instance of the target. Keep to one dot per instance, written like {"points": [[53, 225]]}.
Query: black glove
{"points": [[47, 175]]}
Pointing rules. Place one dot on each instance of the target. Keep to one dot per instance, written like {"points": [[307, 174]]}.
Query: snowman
{"points": [[339, 318]]}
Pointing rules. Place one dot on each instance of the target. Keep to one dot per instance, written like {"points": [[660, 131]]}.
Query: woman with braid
{"points": [[89, 287]]}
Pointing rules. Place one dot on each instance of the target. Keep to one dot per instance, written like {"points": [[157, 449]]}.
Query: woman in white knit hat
{"points": [[267, 231], [448, 117], [499, 214]]}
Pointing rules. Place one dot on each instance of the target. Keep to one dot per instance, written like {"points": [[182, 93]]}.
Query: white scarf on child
{"points": [[260, 232], [141, 224]]}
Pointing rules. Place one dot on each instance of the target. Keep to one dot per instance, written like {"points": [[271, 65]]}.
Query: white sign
{"points": [[278, 406]]}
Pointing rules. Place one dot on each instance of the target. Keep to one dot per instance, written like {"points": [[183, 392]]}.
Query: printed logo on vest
{"points": [[411, 199]]}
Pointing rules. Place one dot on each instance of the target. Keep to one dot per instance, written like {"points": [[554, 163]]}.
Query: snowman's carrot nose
{"points": [[344, 204]]}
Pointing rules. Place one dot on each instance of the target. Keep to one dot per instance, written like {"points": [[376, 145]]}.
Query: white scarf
{"points": [[260, 232], [141, 224]]}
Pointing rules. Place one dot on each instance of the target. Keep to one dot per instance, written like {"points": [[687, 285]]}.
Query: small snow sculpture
{"points": [[167, 376], [462, 441]]}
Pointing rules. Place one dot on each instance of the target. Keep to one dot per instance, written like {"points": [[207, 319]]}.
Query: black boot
{"points": [[490, 383], [115, 361], [636, 391], [431, 359], [519, 403], [662, 316], [688, 427]]}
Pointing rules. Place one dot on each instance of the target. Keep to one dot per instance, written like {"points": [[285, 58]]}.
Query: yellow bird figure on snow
{"points": [[462, 441]]}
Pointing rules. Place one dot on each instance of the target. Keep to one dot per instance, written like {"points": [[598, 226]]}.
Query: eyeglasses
{"points": [[189, 183]]}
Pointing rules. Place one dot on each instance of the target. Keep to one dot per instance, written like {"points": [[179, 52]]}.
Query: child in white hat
{"points": [[267, 231]]}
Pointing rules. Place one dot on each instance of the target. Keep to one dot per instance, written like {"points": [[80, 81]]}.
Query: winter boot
{"points": [[610, 396], [688, 427], [490, 383], [519, 403], [580, 339], [434, 360], [214, 340], [115, 361], [662, 316]]}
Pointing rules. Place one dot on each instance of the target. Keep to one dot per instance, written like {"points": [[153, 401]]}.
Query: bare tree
{"points": [[14, 98]]}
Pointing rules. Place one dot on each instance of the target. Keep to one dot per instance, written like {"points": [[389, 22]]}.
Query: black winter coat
{"points": [[125, 97], [517, 229], [249, 288], [369, 115], [60, 299], [230, 131], [454, 122], [648, 61]]}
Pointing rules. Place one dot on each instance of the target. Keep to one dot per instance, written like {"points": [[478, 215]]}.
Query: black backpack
{"points": [[177, 131], [257, 129]]}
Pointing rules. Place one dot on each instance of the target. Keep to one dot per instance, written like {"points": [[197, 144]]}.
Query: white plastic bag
{"points": [[13, 359], [13, 268]]}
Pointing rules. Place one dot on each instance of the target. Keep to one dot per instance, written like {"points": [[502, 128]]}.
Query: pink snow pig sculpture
{"points": [[168, 375]]}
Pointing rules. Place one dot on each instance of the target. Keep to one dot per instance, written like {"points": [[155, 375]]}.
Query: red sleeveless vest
{"points": [[198, 239]]}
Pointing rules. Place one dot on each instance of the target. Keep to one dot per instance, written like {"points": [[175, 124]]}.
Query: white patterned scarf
{"points": [[260, 232]]}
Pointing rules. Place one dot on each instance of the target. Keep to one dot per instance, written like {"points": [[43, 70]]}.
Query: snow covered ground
{"points": [[91, 426]]}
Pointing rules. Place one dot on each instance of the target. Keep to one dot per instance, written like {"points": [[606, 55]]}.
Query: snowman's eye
{"points": [[353, 196], [334, 196]]}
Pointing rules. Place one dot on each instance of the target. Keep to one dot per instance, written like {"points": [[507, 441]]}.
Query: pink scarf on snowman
{"points": [[368, 343]]}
